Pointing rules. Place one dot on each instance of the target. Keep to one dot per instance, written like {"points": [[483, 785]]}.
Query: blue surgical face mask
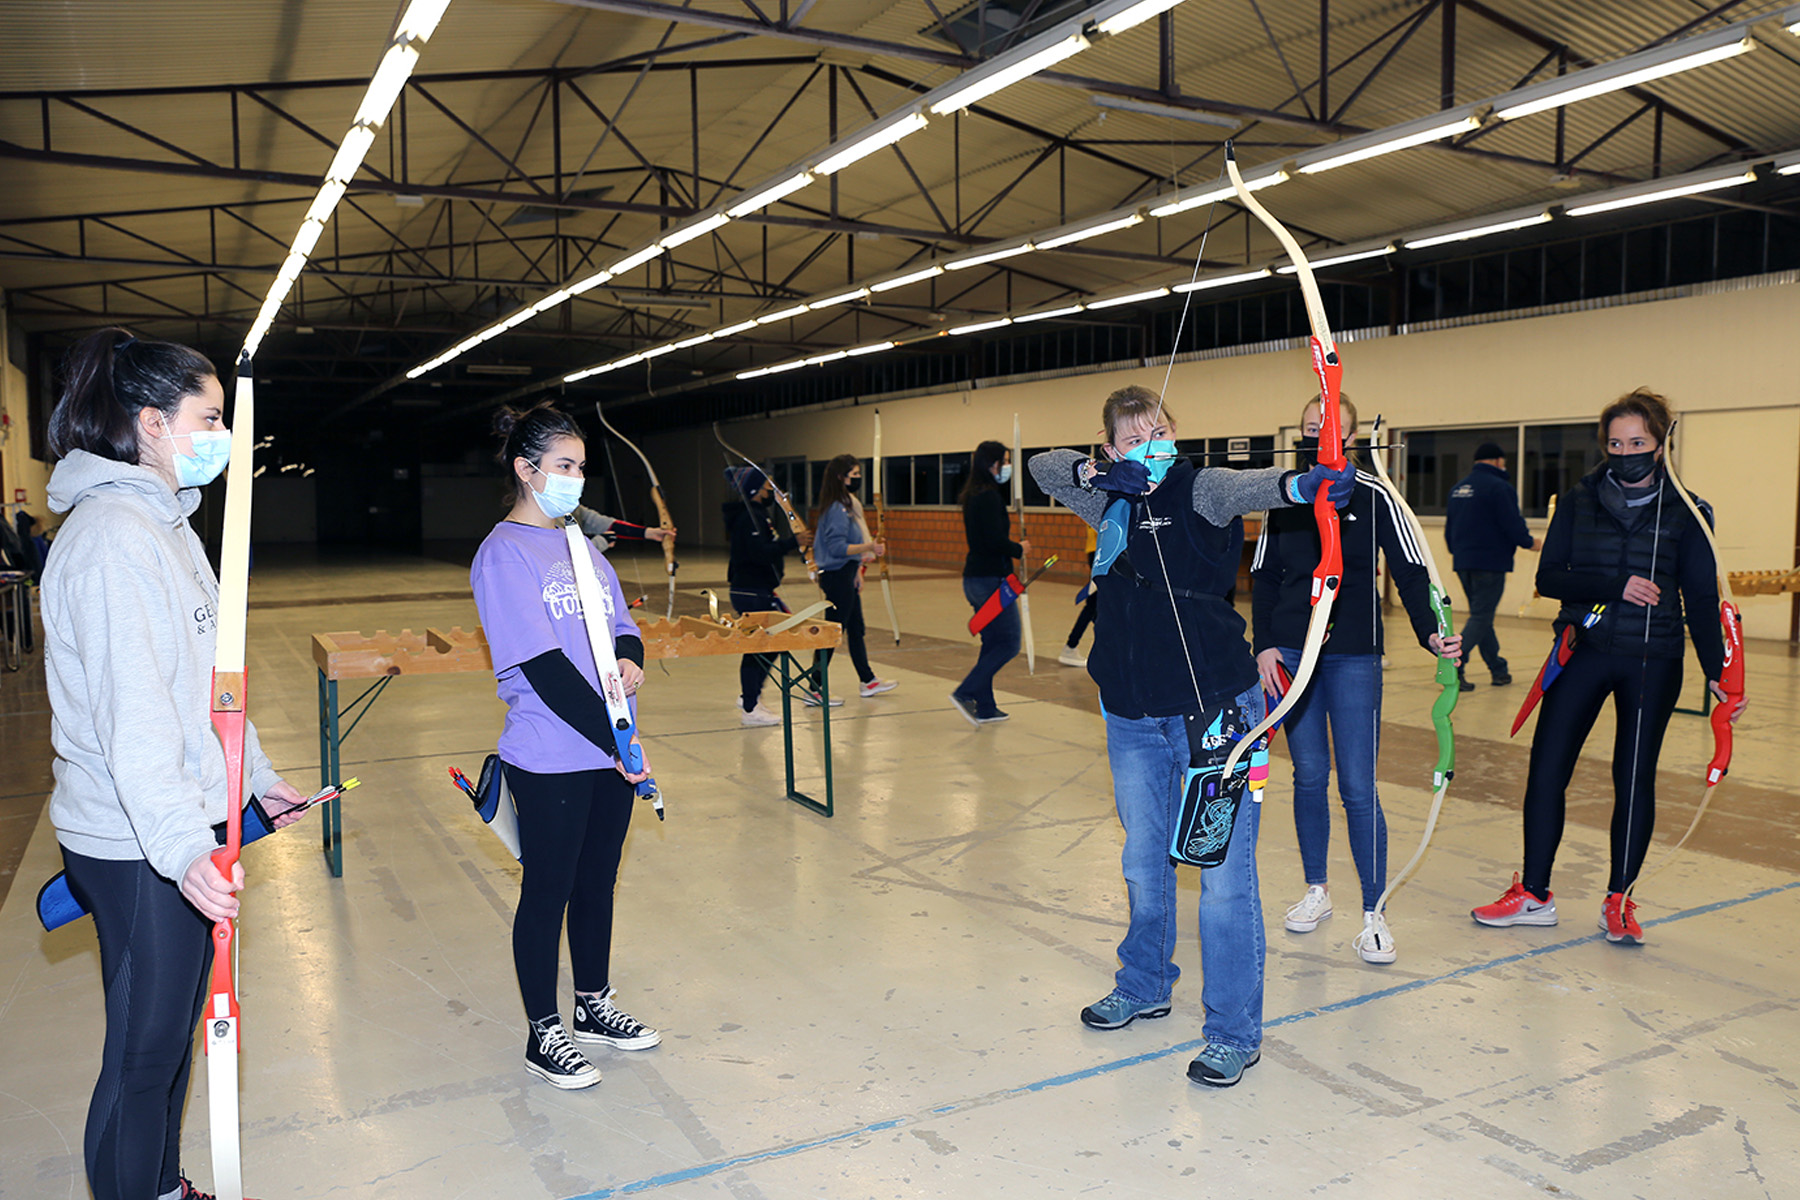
{"points": [[212, 450], [560, 495], [1157, 456], [1005, 475]]}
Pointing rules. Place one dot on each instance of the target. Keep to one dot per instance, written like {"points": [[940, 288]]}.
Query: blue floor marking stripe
{"points": [[702, 1170]]}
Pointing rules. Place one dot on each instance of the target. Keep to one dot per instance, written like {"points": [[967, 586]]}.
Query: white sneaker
{"points": [[1375, 944], [759, 715], [1071, 657], [877, 686], [1314, 907], [811, 700]]}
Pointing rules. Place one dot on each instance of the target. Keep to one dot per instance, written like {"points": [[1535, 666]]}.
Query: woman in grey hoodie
{"points": [[130, 619]]}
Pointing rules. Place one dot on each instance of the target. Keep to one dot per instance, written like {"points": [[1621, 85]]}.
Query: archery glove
{"points": [[1342, 484], [1126, 477]]}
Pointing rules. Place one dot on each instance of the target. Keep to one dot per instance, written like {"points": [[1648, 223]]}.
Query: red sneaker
{"points": [[1517, 907], [1618, 917]]}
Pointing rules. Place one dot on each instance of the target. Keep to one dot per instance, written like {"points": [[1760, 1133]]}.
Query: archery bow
{"points": [[662, 506], [230, 681], [1731, 676], [787, 505], [1449, 683], [1329, 368], [887, 586], [1018, 491]]}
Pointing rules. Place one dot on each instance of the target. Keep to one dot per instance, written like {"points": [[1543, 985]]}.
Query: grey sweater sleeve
{"points": [[1220, 495], [1054, 473], [593, 524]]}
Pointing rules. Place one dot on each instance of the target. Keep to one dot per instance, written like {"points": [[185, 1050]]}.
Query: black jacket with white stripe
{"points": [[1288, 551]]}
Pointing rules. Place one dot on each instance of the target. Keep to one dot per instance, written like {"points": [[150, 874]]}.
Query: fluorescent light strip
{"points": [[881, 137], [1333, 260], [680, 237], [1211, 194], [1082, 235], [390, 77], [1115, 301], [1557, 97], [351, 153], [1433, 133], [1047, 313], [820, 359], [872, 348], [659, 351], [1691, 189], [635, 260], [888, 285], [769, 195], [979, 326], [590, 283], [841, 298], [1463, 235], [758, 373], [1004, 77], [731, 329], [783, 315], [963, 264], [1216, 281], [1793, 167], [549, 302], [695, 341], [1136, 15], [787, 366]]}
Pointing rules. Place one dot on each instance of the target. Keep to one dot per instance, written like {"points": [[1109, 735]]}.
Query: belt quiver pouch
{"points": [[1209, 800]]}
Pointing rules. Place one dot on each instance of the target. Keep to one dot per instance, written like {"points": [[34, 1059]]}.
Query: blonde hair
{"points": [[1346, 410], [1130, 403]]}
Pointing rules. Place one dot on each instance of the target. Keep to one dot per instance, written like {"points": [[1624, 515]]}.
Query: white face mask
{"points": [[561, 494], [212, 450], [1004, 476]]}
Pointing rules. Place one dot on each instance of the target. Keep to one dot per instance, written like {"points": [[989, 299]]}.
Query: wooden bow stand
{"points": [[383, 657]]}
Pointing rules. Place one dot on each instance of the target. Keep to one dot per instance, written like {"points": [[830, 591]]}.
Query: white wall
{"points": [[1722, 359]]}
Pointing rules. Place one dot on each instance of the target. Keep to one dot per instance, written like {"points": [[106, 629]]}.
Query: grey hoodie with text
{"points": [[130, 618]]}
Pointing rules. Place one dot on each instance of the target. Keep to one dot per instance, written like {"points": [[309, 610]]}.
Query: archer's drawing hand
{"points": [[1124, 477]]}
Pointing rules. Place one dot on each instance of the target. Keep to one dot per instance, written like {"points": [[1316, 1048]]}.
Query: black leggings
{"points": [[846, 609], [1640, 689], [571, 832], [754, 668], [155, 953]]}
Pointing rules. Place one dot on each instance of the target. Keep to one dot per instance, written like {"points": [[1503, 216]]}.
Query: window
{"points": [[1555, 457], [1437, 459], [1235, 453], [927, 484]]}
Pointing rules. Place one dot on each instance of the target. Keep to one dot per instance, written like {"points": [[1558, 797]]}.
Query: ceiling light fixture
{"points": [[1212, 192], [1115, 301], [888, 285], [769, 195], [1218, 281], [884, 134], [1482, 229], [963, 264], [981, 82], [1626, 72], [1434, 128], [1092, 231], [1633, 195]]}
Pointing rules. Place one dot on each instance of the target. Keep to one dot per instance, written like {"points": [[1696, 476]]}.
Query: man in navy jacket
{"points": [[1482, 528]]}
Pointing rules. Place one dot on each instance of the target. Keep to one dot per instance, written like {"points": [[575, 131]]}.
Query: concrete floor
{"points": [[884, 1003]]}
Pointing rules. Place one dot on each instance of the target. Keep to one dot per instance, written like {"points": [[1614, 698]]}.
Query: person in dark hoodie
{"points": [[130, 621], [1620, 539], [1176, 680], [1482, 527], [758, 556], [988, 563], [1345, 692]]}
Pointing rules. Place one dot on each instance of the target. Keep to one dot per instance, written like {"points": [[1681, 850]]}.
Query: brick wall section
{"points": [[924, 537]]}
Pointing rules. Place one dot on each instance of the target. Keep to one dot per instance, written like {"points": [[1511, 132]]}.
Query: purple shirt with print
{"points": [[525, 592]]}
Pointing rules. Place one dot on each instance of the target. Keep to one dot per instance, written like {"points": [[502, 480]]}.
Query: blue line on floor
{"points": [[701, 1170]]}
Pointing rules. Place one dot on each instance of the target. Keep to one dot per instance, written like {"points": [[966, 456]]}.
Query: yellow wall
{"points": [[17, 468], [1722, 359]]}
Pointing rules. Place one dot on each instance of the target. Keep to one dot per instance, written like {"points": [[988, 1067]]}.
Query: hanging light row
{"points": [[410, 35], [1036, 54]]}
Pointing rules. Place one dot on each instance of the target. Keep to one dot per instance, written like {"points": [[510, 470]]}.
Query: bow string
{"points": [[662, 506]]}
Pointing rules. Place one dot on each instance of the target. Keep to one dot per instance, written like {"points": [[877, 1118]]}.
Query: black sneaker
{"points": [[552, 1057], [990, 718], [1465, 685], [1502, 679], [597, 1021]]}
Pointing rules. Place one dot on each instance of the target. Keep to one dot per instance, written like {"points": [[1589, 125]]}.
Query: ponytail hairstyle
{"points": [[527, 434], [987, 456], [1133, 403], [1652, 408], [110, 377], [834, 491]]}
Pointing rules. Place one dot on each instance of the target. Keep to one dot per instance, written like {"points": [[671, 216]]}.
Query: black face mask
{"points": [[765, 501], [1308, 457], [1632, 468], [853, 486]]}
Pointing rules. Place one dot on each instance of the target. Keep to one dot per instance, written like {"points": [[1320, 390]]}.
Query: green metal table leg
{"points": [[331, 829]]}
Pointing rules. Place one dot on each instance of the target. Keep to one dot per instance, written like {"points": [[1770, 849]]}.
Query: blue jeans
{"points": [[1346, 690], [999, 645], [1482, 589], [1149, 758]]}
